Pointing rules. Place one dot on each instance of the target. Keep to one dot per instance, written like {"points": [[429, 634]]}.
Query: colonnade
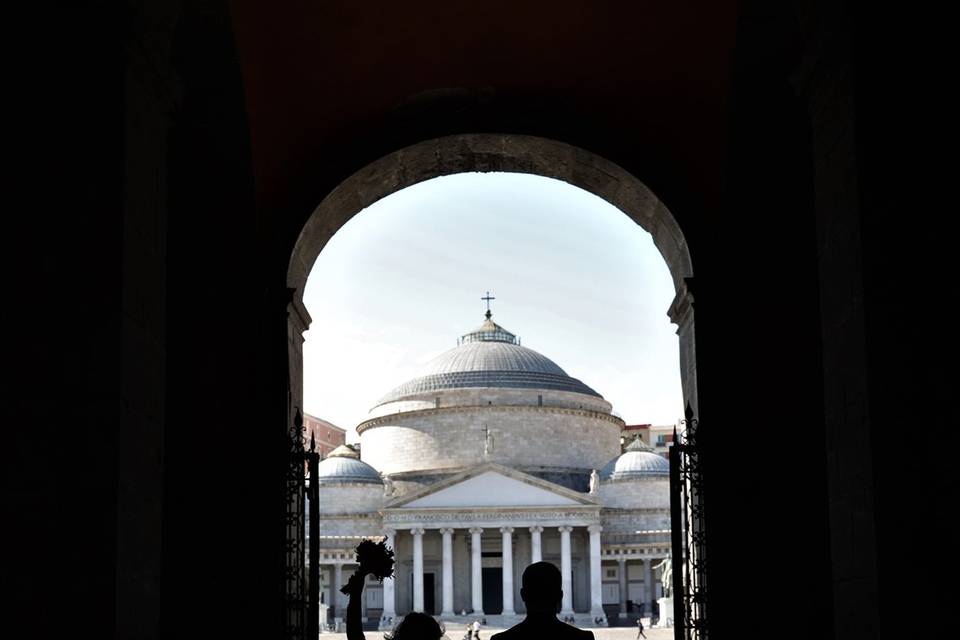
{"points": [[649, 585], [476, 573]]}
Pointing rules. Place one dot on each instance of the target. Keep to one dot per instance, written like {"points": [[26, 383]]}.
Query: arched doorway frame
{"points": [[486, 152]]}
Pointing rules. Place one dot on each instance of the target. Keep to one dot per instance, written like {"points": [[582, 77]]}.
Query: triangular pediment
{"points": [[492, 485]]}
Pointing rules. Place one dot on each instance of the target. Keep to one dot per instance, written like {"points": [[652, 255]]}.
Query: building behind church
{"points": [[325, 435], [490, 459]]}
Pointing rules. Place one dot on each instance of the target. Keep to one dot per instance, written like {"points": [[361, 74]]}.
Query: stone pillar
{"points": [[417, 569], [536, 555], [447, 608], [507, 570], [476, 574], [596, 577], [324, 585], [622, 573], [566, 608], [650, 587], [337, 596], [389, 602]]}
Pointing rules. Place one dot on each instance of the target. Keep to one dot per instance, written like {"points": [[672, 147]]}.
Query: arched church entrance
{"points": [[494, 153], [502, 153]]}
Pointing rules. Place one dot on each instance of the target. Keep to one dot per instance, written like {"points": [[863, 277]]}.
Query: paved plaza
{"points": [[456, 632]]}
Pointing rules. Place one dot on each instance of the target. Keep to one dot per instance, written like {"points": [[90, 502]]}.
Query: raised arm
{"points": [[375, 559]]}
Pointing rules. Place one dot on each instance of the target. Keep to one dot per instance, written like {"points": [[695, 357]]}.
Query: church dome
{"points": [[489, 356], [344, 465], [637, 462]]}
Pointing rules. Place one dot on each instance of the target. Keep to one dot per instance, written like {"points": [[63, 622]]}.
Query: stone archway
{"points": [[487, 153]]}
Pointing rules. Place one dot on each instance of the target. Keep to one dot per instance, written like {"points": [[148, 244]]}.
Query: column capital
{"points": [[446, 530], [565, 529], [389, 533], [536, 529], [622, 560], [417, 531], [476, 530], [595, 528], [506, 530]]}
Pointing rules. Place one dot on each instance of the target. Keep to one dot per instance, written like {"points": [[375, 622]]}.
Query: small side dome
{"points": [[344, 451], [637, 462], [343, 465]]}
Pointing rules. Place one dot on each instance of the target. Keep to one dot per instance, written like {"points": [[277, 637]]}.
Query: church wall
{"points": [[580, 550], [433, 563], [627, 521], [403, 550], [350, 498], [521, 558], [636, 494], [351, 525], [461, 570], [527, 436], [481, 396]]}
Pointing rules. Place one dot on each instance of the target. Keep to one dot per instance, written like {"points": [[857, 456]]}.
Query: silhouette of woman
{"points": [[378, 561]]}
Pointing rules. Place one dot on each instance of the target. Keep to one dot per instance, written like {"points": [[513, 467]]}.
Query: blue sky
{"points": [[573, 276]]}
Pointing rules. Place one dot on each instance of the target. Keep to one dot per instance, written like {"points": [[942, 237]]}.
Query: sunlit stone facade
{"points": [[482, 464]]}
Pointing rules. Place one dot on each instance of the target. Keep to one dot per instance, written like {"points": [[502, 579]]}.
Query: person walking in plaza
{"points": [[476, 629], [640, 633], [542, 593]]}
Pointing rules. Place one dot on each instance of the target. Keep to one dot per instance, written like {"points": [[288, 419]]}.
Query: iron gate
{"points": [[294, 561], [688, 534], [301, 590]]}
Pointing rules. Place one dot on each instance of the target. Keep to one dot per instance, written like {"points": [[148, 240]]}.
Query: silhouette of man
{"points": [[542, 593]]}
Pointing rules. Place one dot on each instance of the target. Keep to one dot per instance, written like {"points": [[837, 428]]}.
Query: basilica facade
{"points": [[488, 460]]}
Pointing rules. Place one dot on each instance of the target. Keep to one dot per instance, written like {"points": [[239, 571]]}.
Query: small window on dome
{"points": [[540, 401]]}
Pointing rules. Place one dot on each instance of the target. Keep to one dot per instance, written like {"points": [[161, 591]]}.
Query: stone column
{"points": [[417, 569], [389, 602], [507, 570], [476, 575], [622, 573], [337, 596], [596, 578], [566, 608], [447, 608], [536, 555], [324, 586], [650, 587]]}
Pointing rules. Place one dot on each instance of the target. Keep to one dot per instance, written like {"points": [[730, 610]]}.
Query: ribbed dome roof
{"points": [[489, 356], [637, 462], [344, 465]]}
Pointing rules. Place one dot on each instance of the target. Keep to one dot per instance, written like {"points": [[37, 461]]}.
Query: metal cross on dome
{"points": [[488, 298]]}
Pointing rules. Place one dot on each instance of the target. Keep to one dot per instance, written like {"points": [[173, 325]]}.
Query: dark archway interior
{"points": [[145, 449]]}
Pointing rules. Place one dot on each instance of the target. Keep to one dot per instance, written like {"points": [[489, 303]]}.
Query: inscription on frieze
{"points": [[489, 516]]}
